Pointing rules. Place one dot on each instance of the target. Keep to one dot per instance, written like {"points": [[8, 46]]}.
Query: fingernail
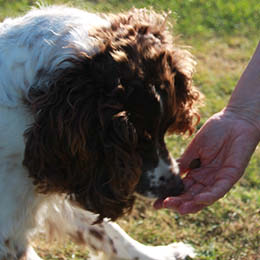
{"points": [[171, 203]]}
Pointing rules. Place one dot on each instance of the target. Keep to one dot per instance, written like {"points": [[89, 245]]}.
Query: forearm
{"points": [[245, 100]]}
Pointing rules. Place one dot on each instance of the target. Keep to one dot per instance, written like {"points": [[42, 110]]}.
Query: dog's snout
{"points": [[162, 182], [172, 187]]}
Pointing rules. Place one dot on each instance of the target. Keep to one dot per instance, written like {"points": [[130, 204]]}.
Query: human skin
{"points": [[224, 146]]}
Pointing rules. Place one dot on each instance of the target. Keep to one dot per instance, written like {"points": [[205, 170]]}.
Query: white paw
{"points": [[182, 250], [174, 251]]}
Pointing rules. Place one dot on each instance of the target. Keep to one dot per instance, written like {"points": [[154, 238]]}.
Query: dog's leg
{"points": [[31, 254], [107, 240], [18, 207], [117, 245]]}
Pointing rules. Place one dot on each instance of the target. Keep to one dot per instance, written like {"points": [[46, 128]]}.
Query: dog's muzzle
{"points": [[161, 182]]}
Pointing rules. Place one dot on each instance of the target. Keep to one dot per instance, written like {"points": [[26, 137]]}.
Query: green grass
{"points": [[203, 17], [223, 35]]}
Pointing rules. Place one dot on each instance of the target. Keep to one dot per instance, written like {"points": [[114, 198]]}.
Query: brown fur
{"points": [[90, 123]]}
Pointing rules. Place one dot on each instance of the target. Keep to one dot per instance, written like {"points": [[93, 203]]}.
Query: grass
{"points": [[223, 35]]}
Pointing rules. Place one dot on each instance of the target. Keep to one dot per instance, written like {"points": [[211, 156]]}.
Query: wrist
{"points": [[248, 112], [245, 100]]}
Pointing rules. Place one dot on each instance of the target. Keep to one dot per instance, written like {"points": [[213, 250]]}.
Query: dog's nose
{"points": [[171, 187], [165, 186], [161, 182]]}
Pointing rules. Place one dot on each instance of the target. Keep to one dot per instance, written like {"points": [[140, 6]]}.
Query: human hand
{"points": [[224, 146]]}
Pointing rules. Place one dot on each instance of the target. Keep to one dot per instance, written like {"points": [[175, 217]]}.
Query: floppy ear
{"points": [[56, 152], [186, 96], [81, 142], [121, 161]]}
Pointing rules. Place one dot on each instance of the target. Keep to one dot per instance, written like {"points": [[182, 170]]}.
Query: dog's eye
{"points": [[145, 139], [147, 135]]}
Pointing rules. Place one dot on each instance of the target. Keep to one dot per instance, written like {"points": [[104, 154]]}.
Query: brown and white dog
{"points": [[85, 103]]}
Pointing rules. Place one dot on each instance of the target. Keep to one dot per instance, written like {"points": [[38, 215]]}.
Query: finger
{"points": [[158, 204], [189, 207], [172, 202], [220, 188], [175, 202], [182, 207]]}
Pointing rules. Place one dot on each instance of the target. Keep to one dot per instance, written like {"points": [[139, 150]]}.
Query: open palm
{"points": [[224, 146]]}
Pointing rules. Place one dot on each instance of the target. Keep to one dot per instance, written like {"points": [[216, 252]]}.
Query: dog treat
{"points": [[196, 163]]}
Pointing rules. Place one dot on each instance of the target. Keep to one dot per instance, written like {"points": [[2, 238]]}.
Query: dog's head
{"points": [[99, 128]]}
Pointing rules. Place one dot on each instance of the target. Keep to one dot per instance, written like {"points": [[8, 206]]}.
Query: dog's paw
{"points": [[174, 251], [182, 251]]}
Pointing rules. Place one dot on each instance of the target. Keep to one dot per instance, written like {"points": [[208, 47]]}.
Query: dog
{"points": [[85, 103]]}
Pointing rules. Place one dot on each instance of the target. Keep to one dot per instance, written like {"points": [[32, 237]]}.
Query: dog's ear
{"points": [[56, 143], [81, 142], [122, 163], [185, 97]]}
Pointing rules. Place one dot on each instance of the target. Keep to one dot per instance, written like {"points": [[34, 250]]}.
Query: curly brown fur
{"points": [[90, 123]]}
